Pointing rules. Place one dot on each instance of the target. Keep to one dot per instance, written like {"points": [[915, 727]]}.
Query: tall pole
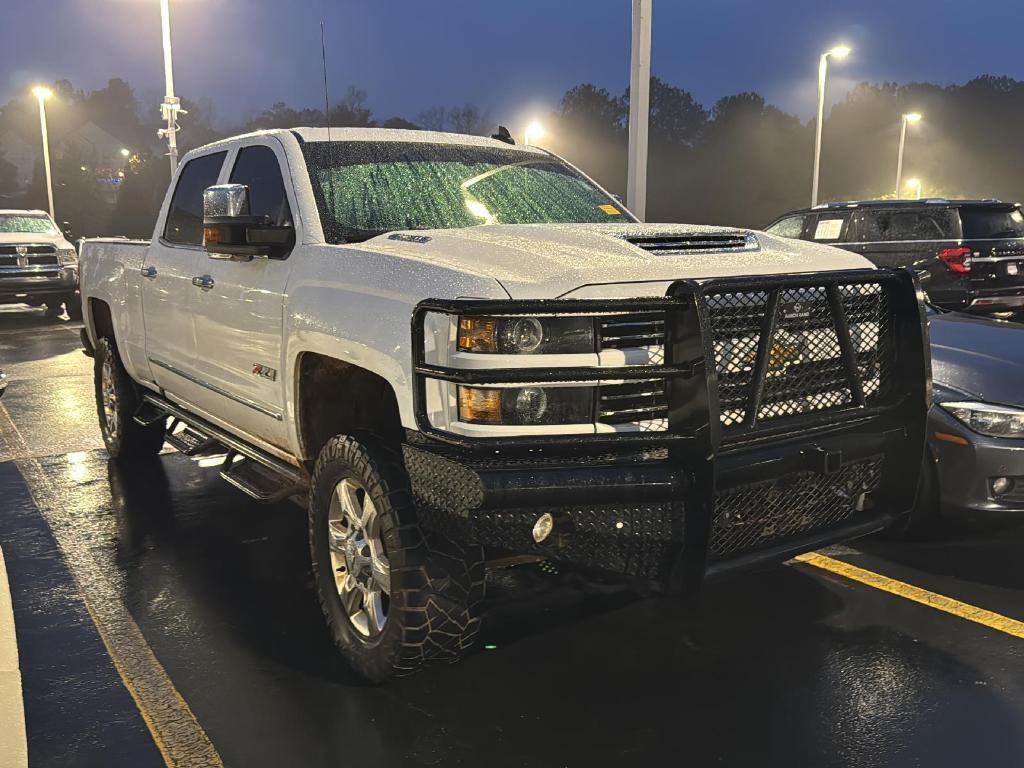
{"points": [[42, 94], [911, 118], [899, 157], [822, 75], [171, 106], [839, 52], [639, 108]]}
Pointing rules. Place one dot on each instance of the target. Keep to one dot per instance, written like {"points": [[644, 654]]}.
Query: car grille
{"points": [[35, 255], [641, 404], [805, 371], [748, 517]]}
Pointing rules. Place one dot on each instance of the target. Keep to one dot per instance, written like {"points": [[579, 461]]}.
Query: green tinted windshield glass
{"points": [[18, 222], [365, 188]]}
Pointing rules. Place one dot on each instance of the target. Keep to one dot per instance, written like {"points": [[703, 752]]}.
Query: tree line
{"points": [[741, 161]]}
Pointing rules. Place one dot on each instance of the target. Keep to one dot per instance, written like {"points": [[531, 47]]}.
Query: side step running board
{"points": [[262, 476]]}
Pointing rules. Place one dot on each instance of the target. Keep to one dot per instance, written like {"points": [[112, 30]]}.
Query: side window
{"points": [[792, 226], [830, 228], [882, 226], [184, 224], [258, 169]]}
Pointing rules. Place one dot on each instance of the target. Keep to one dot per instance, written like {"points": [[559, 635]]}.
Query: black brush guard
{"points": [[700, 498]]}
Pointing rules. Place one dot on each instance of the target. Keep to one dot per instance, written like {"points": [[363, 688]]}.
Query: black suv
{"points": [[969, 253]]}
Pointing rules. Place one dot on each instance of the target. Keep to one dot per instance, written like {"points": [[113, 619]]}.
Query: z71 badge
{"points": [[259, 369]]}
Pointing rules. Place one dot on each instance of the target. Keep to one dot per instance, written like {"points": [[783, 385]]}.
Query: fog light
{"points": [[543, 527], [1001, 485]]}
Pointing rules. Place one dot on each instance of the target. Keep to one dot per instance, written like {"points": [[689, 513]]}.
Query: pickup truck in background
{"points": [[461, 352], [37, 264]]}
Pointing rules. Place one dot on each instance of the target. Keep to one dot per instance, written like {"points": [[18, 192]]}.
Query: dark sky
{"points": [[513, 57]]}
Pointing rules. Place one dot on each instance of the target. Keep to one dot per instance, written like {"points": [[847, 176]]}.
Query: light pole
{"points": [[639, 108], [171, 106], [533, 132], [913, 118], [42, 94], [839, 52]]}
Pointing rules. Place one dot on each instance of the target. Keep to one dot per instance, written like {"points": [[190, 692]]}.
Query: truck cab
{"points": [[38, 266], [457, 352]]}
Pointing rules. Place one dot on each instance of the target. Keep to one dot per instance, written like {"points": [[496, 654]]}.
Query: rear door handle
{"points": [[204, 281], [149, 272]]}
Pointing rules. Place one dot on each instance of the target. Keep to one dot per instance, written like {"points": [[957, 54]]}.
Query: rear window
{"points": [[899, 224], [987, 223]]}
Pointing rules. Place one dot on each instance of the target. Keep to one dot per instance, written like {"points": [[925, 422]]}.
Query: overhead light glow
{"points": [[533, 132], [41, 92], [840, 52], [912, 117]]}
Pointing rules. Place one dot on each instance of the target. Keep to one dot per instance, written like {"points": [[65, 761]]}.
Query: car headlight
{"points": [[526, 405], [988, 419], [67, 256], [526, 335]]}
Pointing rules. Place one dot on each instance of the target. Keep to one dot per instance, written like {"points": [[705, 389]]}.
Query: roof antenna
{"points": [[327, 99]]}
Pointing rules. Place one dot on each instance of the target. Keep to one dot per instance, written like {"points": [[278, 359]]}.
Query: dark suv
{"points": [[969, 253]]}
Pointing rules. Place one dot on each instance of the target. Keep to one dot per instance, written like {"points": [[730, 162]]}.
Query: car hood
{"points": [[980, 358], [541, 261], [14, 238]]}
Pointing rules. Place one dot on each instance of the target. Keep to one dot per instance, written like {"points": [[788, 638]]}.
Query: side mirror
{"points": [[65, 227], [231, 232]]}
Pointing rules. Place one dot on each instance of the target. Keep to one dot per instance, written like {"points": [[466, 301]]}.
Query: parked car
{"points": [[975, 458], [969, 253], [457, 350], [37, 264]]}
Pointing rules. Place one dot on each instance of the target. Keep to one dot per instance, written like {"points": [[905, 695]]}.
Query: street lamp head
{"points": [[125, 152], [41, 92], [839, 52], [533, 132], [912, 117]]}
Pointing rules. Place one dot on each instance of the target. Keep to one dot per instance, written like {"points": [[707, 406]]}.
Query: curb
{"points": [[13, 744]]}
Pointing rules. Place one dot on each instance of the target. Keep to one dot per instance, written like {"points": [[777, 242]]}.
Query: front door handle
{"points": [[149, 272], [204, 281]]}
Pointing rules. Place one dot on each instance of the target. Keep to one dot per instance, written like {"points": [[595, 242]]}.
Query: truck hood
{"points": [[15, 238], [541, 261], [980, 358]]}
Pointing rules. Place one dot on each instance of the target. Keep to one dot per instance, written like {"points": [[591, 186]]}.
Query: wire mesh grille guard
{"points": [[753, 515], [804, 365]]}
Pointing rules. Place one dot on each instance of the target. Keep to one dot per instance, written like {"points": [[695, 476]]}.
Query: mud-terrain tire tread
{"points": [[437, 585], [136, 443]]}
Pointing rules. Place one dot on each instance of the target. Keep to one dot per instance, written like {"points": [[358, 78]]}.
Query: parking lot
{"points": [[165, 618]]}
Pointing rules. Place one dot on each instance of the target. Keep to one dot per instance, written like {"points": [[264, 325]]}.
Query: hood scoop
{"points": [[696, 243]]}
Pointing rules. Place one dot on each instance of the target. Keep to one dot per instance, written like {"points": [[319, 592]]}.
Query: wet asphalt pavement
{"points": [[201, 592]]}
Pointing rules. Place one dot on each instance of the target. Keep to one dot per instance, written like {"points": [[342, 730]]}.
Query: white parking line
{"points": [[13, 745]]}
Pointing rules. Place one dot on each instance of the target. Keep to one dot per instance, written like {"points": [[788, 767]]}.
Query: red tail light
{"points": [[956, 259]]}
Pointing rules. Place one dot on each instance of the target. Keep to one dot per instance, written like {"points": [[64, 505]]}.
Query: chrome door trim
{"points": [[213, 388]]}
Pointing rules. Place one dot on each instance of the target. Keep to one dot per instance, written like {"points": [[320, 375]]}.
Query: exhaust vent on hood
{"points": [[697, 243]]}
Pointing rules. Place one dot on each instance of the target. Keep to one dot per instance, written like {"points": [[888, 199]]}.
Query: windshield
{"points": [[365, 188], [984, 223], [35, 224]]}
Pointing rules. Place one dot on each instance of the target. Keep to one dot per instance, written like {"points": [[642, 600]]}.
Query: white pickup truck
{"points": [[463, 352]]}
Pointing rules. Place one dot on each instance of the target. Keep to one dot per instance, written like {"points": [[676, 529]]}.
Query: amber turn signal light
{"points": [[478, 334], [480, 405]]}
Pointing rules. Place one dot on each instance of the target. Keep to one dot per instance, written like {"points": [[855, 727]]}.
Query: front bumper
{"points": [[696, 500], [17, 284], [965, 472]]}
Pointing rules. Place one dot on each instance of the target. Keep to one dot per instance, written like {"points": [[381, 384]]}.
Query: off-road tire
{"points": [[436, 585], [129, 441]]}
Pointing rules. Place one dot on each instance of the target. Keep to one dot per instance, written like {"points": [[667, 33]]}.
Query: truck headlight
{"points": [[526, 335], [67, 256], [519, 406], [988, 419]]}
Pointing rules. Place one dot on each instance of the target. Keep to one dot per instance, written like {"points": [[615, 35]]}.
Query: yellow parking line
{"points": [[934, 600]]}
